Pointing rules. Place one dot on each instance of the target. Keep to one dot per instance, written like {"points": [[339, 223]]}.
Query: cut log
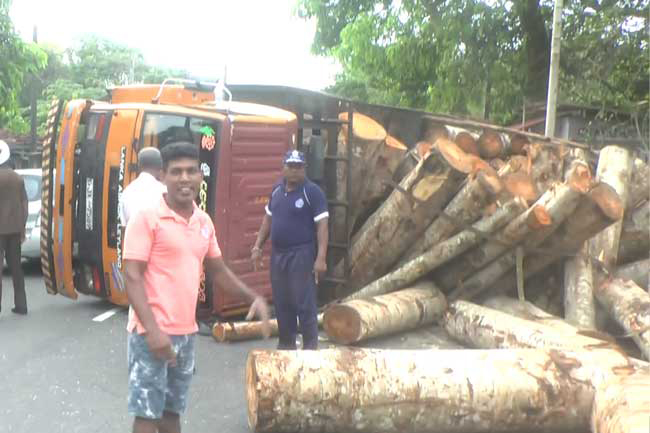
{"points": [[367, 139], [635, 236], [614, 165], [381, 177], [629, 305], [357, 320], [432, 130], [440, 254], [533, 226], [622, 405], [639, 187], [518, 144], [428, 337], [492, 144], [467, 142], [485, 328], [405, 214], [417, 391], [408, 162], [579, 301], [635, 271], [464, 209], [248, 330], [596, 210], [528, 311]]}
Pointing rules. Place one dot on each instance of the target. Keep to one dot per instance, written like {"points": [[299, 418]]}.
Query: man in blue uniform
{"points": [[296, 218]]}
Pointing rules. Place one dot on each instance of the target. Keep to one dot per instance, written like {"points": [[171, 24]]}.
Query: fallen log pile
{"points": [[481, 240]]}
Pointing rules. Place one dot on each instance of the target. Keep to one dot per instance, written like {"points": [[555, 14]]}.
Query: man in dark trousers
{"points": [[13, 217], [296, 217]]}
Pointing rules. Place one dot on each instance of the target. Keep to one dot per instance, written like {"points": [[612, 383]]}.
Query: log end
{"points": [[518, 144], [342, 324], [252, 399], [423, 148], [363, 127], [520, 184], [432, 130], [490, 144], [579, 177], [465, 141], [220, 331], [608, 200], [395, 143]]}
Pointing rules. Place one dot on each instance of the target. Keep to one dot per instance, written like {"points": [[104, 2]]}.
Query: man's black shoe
{"points": [[21, 311]]}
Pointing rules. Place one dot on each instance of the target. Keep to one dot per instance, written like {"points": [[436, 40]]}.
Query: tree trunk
{"points": [[533, 226], [492, 144], [440, 253], [622, 405], [405, 213], [640, 184], [635, 271], [357, 320], [614, 165], [367, 139], [629, 305], [418, 391], [528, 311], [381, 176], [579, 302], [466, 206], [239, 331], [428, 337], [596, 210], [485, 328], [635, 236]]}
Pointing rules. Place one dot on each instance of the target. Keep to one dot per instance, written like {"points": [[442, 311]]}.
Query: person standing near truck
{"points": [[13, 217], [164, 249], [297, 220], [146, 190]]}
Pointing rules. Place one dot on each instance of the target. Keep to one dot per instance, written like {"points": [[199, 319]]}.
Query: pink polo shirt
{"points": [[174, 249]]}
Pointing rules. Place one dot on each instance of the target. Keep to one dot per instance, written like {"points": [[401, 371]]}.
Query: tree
{"points": [[18, 59], [481, 58]]}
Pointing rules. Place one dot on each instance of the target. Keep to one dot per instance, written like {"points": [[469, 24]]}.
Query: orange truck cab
{"points": [[90, 156]]}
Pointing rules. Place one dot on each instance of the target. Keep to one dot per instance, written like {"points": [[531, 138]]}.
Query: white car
{"points": [[31, 248]]}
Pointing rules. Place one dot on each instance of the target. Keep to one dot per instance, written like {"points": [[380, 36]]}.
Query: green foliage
{"points": [[482, 58]]}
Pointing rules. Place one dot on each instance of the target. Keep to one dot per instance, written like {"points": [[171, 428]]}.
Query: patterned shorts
{"points": [[154, 386]]}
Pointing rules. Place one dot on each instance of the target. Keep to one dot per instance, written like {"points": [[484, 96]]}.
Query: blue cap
{"points": [[294, 157]]}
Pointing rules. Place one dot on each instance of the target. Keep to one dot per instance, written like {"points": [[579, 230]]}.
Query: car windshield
{"points": [[33, 187]]}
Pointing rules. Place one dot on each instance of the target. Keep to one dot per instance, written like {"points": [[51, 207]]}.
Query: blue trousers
{"points": [[294, 295]]}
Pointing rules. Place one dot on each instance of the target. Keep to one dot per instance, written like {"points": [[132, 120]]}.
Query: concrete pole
{"points": [[553, 76]]}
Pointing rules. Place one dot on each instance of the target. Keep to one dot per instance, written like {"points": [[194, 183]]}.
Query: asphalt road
{"points": [[60, 371]]}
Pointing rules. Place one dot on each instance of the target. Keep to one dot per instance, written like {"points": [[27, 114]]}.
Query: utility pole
{"points": [[554, 70]]}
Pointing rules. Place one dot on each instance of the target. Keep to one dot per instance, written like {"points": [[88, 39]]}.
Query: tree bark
{"points": [[622, 405], [493, 144], [635, 236], [637, 272], [357, 320], [629, 305], [417, 391], [533, 226], [485, 328], [405, 213], [440, 253], [596, 210], [614, 165], [367, 139], [249, 330], [427, 337], [408, 162], [640, 184]]}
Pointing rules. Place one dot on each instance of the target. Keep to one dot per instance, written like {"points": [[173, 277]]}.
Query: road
{"points": [[60, 371]]}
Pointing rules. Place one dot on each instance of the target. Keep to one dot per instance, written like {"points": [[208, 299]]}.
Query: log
{"points": [[579, 301], [248, 330], [367, 139], [614, 165], [622, 405], [428, 337], [486, 328], [635, 271], [432, 130], [381, 176], [440, 254], [361, 319], [640, 184], [366, 390], [629, 305], [405, 214], [635, 236], [518, 143], [408, 162], [596, 210], [463, 209], [528, 311], [467, 142], [492, 144], [531, 227]]}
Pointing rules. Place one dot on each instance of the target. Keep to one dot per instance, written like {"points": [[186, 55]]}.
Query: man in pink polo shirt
{"points": [[165, 248]]}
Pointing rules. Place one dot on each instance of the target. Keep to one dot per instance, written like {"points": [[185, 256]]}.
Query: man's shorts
{"points": [[154, 386]]}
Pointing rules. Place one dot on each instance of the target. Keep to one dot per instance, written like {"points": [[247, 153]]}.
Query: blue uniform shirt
{"points": [[295, 214]]}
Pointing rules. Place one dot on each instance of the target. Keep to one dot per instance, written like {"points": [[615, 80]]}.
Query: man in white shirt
{"points": [[145, 191]]}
